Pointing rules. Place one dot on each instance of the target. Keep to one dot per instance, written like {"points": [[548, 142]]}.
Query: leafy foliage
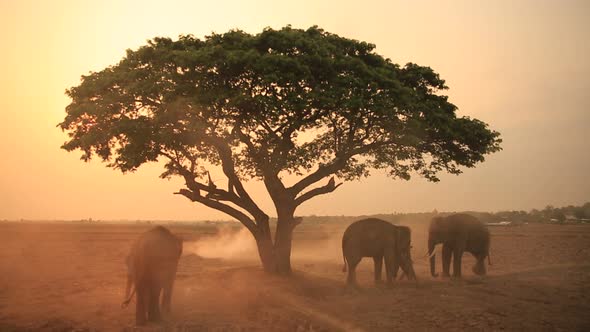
{"points": [[284, 100]]}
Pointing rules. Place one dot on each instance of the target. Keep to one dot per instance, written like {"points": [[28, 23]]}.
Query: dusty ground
{"points": [[71, 277]]}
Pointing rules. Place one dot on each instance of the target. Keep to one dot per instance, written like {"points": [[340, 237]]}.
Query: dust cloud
{"points": [[311, 242], [542, 268], [228, 243], [324, 248], [419, 230]]}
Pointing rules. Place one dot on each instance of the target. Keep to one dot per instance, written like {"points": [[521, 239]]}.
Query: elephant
{"points": [[381, 240], [151, 270], [458, 233]]}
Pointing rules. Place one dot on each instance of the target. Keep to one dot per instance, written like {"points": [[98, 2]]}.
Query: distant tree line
{"points": [[548, 214]]}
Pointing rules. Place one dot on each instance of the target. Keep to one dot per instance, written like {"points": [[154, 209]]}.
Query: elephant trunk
{"points": [[432, 258], [411, 275]]}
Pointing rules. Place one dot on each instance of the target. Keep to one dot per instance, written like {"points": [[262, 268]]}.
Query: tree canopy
{"points": [[288, 101]]}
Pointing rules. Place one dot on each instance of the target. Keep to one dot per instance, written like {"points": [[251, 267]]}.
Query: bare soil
{"points": [[71, 277]]}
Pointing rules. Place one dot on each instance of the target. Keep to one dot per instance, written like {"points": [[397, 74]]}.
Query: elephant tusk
{"points": [[430, 255]]}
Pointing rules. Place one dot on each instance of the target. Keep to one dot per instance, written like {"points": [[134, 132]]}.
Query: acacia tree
{"points": [[289, 101]]}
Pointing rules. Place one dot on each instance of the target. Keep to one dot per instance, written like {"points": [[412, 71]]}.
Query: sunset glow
{"points": [[519, 66]]}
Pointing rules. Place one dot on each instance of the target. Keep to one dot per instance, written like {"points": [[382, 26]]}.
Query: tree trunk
{"points": [[282, 247], [266, 253], [276, 258], [265, 247]]}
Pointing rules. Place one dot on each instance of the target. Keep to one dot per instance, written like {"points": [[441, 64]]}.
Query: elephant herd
{"points": [[153, 258], [383, 241]]}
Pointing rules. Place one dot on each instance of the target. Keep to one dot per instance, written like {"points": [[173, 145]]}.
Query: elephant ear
{"points": [[398, 241], [436, 223], [401, 237]]}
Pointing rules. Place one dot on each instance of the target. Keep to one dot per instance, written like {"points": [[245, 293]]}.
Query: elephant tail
{"points": [[129, 291], [127, 300]]}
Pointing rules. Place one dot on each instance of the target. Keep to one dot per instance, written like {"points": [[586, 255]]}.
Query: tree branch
{"points": [[328, 188], [320, 173], [211, 190], [337, 164], [273, 183], [227, 164], [240, 216]]}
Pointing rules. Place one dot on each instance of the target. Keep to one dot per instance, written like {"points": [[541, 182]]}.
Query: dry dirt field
{"points": [[71, 277]]}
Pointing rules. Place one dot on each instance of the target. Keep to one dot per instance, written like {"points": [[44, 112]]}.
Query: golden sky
{"points": [[520, 66]]}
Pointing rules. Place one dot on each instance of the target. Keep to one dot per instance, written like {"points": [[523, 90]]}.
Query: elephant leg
{"points": [[154, 303], [446, 259], [141, 303], [167, 294], [378, 267], [480, 265], [352, 263], [395, 269], [457, 257], [390, 263]]}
